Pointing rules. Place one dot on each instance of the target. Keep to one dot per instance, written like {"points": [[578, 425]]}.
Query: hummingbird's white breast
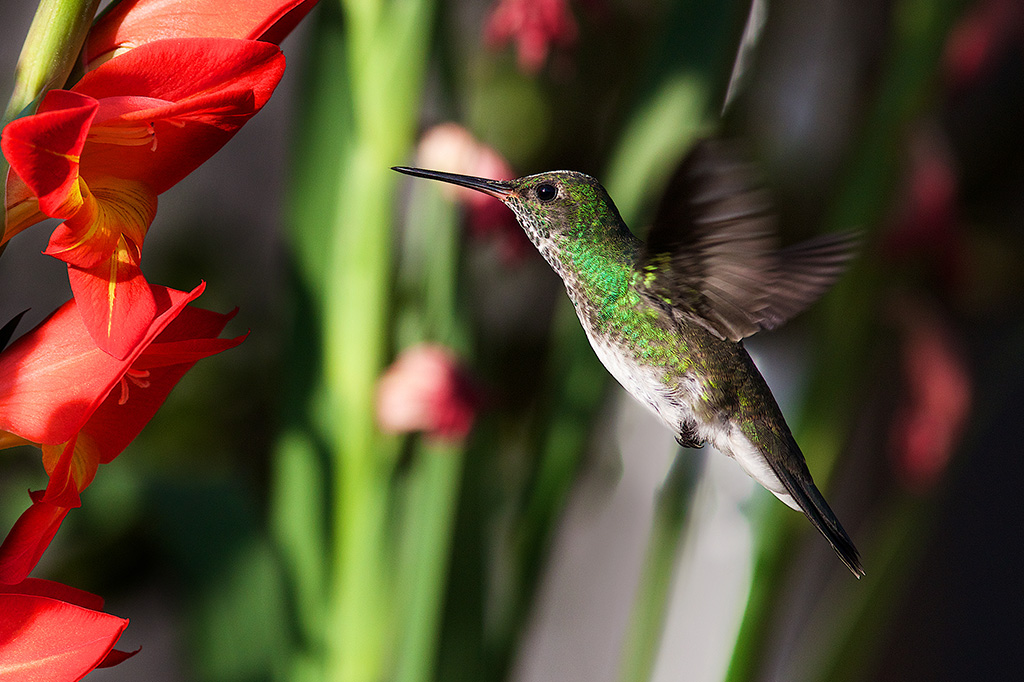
{"points": [[677, 408]]}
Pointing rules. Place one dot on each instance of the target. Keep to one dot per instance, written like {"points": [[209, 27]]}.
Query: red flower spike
{"points": [[99, 155], [53, 632], [132, 23], [535, 25], [83, 406]]}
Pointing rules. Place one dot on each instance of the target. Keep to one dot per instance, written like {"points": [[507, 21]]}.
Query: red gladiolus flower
{"points": [[53, 632], [426, 390], [98, 155], [535, 25], [132, 23], [83, 406]]}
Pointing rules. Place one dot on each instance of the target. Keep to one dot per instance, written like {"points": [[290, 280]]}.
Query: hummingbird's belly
{"points": [[677, 399], [648, 384]]}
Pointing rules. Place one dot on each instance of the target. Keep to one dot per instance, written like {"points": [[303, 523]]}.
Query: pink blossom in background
{"points": [[426, 390], [535, 26], [931, 416], [452, 148]]}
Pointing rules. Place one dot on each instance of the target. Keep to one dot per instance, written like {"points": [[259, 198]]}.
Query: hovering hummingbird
{"points": [[667, 317]]}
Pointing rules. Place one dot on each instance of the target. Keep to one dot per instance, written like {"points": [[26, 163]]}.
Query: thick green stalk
{"points": [[387, 43], [428, 278], [364, 97]]}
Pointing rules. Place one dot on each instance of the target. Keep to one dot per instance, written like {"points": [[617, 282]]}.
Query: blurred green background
{"points": [[261, 528]]}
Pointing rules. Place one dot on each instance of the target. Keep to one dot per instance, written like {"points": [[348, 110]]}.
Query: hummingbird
{"points": [[667, 317]]}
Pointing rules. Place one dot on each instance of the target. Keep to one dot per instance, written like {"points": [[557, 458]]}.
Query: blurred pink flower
{"points": [[535, 25], [927, 223], [980, 37], [426, 390], [452, 148], [931, 417]]}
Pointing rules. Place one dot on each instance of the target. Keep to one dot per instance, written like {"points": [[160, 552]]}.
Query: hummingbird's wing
{"points": [[713, 250]]}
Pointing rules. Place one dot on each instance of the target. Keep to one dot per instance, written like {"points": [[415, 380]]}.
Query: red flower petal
{"points": [[209, 88], [54, 377], [123, 414], [29, 538], [50, 379], [45, 150], [45, 639], [116, 302], [132, 23]]}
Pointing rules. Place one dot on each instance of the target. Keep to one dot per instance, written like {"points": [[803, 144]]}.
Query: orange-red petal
{"points": [[189, 95], [132, 23], [45, 150], [42, 638], [115, 301], [29, 538], [54, 378]]}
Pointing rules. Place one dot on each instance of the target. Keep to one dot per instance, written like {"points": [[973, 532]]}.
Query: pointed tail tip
{"points": [[844, 549], [853, 563]]}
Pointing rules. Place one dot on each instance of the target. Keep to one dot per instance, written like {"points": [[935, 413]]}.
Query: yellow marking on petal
{"points": [[10, 440], [112, 208], [21, 214], [119, 256], [73, 158]]}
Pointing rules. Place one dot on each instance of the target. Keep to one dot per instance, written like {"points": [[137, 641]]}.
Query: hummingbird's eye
{"points": [[546, 192]]}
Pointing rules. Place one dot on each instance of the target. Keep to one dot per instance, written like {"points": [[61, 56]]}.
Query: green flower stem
{"points": [[423, 560], [53, 42], [640, 650], [849, 313], [366, 82], [428, 277], [386, 52]]}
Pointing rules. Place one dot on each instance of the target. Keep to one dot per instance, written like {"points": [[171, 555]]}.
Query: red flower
{"points": [[535, 25], [97, 157], [981, 36], [132, 23], [933, 412], [52, 632], [83, 406], [426, 390]]}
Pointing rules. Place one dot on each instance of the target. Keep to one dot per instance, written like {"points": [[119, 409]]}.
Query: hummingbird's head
{"points": [[550, 206]]}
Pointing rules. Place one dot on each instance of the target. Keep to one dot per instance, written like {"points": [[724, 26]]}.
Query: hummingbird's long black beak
{"points": [[495, 188]]}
